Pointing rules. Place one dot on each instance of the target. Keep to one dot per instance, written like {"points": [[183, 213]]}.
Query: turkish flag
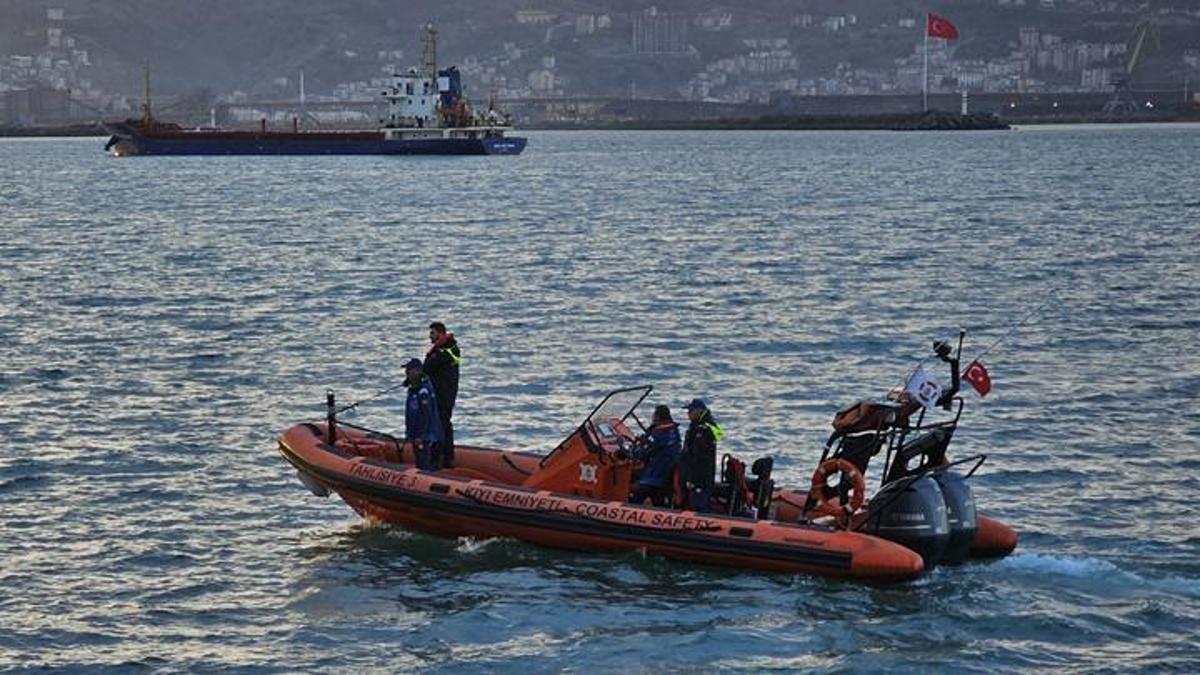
{"points": [[936, 26], [977, 376]]}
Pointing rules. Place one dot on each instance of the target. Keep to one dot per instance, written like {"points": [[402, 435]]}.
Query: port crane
{"points": [[1122, 104]]}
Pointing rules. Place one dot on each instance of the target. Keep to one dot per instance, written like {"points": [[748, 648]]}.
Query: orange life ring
{"points": [[832, 506]]}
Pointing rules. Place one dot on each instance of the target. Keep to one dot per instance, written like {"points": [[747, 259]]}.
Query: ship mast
{"points": [[430, 59], [147, 118]]}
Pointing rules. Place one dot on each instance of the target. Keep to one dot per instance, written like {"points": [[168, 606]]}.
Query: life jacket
{"points": [[447, 345]]}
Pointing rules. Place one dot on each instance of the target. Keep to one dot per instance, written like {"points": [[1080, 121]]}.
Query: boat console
{"points": [[594, 461]]}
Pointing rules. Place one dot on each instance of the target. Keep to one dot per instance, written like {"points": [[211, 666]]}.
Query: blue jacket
{"points": [[659, 451], [421, 419]]}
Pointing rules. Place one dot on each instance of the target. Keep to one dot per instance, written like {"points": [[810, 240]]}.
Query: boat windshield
{"points": [[619, 405]]}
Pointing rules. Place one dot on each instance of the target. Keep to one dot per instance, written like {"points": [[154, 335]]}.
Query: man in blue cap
{"points": [[422, 423], [698, 462]]}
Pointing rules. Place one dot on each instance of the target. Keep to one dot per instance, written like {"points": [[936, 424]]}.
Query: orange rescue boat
{"points": [[575, 497]]}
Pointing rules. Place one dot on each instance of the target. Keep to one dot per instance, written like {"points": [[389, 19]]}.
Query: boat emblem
{"points": [[587, 473]]}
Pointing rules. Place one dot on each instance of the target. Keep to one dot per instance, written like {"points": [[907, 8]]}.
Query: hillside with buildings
{"points": [[84, 58]]}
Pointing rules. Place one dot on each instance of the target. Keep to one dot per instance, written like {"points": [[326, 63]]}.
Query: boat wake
{"points": [[468, 545], [1110, 575], [1059, 566]]}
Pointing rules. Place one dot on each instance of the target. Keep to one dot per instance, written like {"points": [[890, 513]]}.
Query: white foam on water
{"points": [[1084, 568], [1070, 567], [469, 545]]}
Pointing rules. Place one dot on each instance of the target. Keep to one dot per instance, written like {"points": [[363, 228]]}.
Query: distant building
{"points": [[1029, 37], [766, 43], [971, 76], [833, 24], [543, 82], [36, 105], [656, 32], [714, 21], [1096, 79], [535, 17]]}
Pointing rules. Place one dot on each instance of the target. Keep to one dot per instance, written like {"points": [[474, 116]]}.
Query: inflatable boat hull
{"points": [[482, 497]]}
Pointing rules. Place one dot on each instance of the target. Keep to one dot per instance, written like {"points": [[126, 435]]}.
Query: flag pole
{"points": [[925, 69]]}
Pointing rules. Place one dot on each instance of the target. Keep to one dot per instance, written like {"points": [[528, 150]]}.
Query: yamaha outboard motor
{"points": [[911, 513], [960, 514]]}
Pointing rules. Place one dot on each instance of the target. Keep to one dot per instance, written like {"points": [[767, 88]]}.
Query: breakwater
{"points": [[932, 120]]}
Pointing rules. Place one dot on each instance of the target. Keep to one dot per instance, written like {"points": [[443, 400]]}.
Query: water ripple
{"points": [[162, 319]]}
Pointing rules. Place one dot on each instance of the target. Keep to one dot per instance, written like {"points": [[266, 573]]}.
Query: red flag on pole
{"points": [[936, 26], [977, 376]]}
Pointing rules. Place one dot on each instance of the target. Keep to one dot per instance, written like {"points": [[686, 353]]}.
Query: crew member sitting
{"points": [[658, 450]]}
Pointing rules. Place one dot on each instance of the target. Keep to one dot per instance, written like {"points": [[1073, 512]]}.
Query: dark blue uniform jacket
{"points": [[659, 452], [421, 419]]}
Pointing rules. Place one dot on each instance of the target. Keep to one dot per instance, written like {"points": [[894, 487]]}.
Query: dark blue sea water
{"points": [[163, 319]]}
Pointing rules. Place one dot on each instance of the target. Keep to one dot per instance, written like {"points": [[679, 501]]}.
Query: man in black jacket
{"points": [[441, 365], [698, 462]]}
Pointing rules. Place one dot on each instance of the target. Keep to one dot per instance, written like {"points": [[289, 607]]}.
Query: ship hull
{"points": [[127, 142]]}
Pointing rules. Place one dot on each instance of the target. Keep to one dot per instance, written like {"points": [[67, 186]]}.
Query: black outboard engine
{"points": [[911, 513], [960, 514]]}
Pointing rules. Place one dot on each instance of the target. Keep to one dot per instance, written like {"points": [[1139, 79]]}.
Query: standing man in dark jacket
{"points": [[698, 463], [658, 451], [422, 423], [441, 365]]}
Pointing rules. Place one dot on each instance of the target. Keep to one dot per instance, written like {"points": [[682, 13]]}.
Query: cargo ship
{"points": [[427, 114]]}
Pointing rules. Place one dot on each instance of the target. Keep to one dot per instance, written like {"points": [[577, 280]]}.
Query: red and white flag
{"points": [[936, 26], [977, 376]]}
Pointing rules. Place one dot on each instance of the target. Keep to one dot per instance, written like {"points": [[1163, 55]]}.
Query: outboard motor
{"points": [[960, 514], [911, 513]]}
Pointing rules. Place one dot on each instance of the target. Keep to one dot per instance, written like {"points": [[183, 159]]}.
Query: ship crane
{"points": [[1122, 104]]}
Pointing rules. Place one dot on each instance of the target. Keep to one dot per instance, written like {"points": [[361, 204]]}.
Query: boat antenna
{"points": [[147, 117], [943, 351], [372, 397], [1013, 328]]}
